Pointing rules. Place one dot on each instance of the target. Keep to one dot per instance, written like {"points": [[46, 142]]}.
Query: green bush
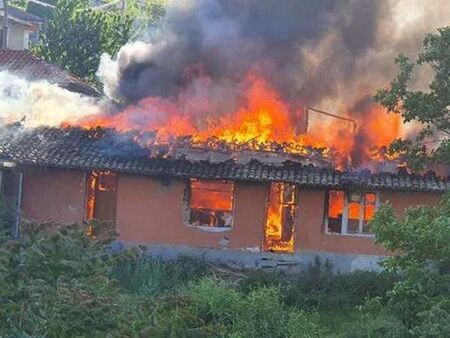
{"points": [[152, 276], [258, 313], [325, 290], [420, 300]]}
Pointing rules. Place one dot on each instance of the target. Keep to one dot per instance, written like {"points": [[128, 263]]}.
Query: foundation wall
{"points": [[149, 212], [53, 195]]}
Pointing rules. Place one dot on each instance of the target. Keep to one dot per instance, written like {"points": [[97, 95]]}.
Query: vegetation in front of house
{"points": [[57, 282]]}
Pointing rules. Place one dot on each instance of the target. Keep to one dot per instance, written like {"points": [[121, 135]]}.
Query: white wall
{"points": [[17, 36]]}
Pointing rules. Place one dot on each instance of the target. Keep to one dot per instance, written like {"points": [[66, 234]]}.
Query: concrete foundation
{"points": [[342, 263]]}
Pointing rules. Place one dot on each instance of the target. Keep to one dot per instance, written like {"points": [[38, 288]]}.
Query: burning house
{"points": [[206, 143], [239, 207]]}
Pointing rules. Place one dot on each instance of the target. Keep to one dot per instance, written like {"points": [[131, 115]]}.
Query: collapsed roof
{"points": [[81, 149]]}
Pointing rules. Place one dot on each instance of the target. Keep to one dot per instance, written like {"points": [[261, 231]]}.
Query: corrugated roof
{"points": [[32, 68], [75, 148]]}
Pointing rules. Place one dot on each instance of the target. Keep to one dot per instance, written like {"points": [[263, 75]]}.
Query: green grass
{"points": [[58, 283]]}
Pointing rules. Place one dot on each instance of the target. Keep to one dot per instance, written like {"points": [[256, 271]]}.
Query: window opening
{"points": [[211, 203], [350, 212]]}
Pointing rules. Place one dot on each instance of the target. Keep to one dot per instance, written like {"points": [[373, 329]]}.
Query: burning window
{"points": [[350, 212], [101, 196], [211, 203], [281, 213]]}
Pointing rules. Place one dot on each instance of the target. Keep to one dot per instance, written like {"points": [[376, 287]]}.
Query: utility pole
{"points": [[5, 28]]}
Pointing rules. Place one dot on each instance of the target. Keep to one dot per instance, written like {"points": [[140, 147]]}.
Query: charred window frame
{"points": [[348, 212], [210, 204]]}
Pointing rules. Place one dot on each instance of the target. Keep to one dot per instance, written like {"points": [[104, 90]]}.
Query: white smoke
{"points": [[40, 103]]}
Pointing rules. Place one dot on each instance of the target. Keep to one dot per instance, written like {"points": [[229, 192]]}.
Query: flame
{"points": [[280, 221], [263, 120], [211, 195], [211, 203]]}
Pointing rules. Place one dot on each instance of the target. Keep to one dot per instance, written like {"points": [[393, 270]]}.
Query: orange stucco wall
{"points": [[150, 213], [310, 235], [53, 195]]}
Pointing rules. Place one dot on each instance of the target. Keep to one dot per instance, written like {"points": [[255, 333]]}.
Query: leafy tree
{"points": [[77, 36], [420, 241], [147, 14], [431, 108]]}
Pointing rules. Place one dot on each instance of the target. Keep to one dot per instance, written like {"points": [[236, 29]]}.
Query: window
{"points": [[101, 196], [280, 218], [211, 203], [350, 212]]}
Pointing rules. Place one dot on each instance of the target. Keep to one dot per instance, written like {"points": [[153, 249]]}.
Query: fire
{"points": [[263, 120], [211, 203], [280, 220]]}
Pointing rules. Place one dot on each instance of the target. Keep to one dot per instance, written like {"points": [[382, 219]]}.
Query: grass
{"points": [[59, 283]]}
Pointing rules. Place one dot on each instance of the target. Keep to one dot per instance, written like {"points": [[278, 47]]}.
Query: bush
{"points": [[259, 313], [328, 291], [151, 276], [421, 299]]}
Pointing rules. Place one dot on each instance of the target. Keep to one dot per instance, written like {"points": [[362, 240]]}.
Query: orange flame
{"points": [[262, 116], [280, 221]]}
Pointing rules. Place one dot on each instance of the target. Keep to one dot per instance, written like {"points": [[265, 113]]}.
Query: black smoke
{"points": [[310, 50]]}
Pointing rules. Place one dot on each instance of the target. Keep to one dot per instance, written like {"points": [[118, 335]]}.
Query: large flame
{"points": [[263, 120]]}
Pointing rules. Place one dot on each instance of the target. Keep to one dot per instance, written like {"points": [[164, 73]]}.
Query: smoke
{"points": [[327, 53], [40, 103]]}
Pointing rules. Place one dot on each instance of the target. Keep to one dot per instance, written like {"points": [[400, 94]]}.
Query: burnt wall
{"points": [[53, 195], [149, 212]]}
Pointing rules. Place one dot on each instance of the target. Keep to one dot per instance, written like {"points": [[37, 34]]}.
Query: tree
{"points": [[77, 36], [431, 108], [420, 240]]}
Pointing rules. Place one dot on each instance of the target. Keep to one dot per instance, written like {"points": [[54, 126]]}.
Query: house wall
{"points": [[53, 195], [150, 213], [310, 234], [17, 36], [154, 214]]}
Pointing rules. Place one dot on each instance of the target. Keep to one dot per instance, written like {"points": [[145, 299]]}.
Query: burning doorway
{"points": [[280, 218], [101, 196]]}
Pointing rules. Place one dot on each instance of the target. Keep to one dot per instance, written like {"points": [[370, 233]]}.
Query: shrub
{"points": [[152, 276], [320, 288], [420, 300], [258, 313]]}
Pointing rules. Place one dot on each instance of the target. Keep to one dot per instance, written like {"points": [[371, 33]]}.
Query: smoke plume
{"points": [[329, 53], [40, 103]]}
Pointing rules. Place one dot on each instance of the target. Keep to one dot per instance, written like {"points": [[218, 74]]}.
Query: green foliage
{"points": [[38, 9], [5, 215], [76, 36], [320, 288], [139, 274], [430, 108], [420, 241], [146, 14], [57, 282]]}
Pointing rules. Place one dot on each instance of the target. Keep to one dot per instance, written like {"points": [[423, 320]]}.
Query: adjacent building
{"points": [[23, 28]]}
